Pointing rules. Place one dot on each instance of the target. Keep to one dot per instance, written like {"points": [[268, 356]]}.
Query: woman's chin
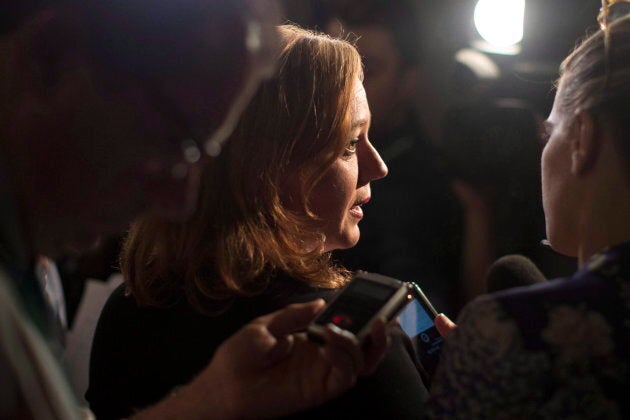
{"points": [[345, 242], [562, 246]]}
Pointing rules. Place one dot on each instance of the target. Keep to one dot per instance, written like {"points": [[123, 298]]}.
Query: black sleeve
{"points": [[139, 355], [117, 383], [108, 391]]}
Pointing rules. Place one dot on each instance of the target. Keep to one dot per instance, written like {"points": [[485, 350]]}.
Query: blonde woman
{"points": [[562, 349]]}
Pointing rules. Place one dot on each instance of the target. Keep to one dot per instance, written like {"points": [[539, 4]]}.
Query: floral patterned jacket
{"points": [[555, 350]]}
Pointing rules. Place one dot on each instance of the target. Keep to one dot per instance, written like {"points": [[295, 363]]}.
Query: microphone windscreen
{"points": [[512, 271]]}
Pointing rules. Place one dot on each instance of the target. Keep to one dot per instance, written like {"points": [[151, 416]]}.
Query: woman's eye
{"points": [[544, 137], [351, 147], [545, 133]]}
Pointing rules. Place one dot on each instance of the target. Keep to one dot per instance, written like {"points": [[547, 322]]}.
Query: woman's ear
{"points": [[584, 143]]}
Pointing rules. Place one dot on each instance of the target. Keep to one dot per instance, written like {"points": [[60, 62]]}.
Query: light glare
{"points": [[500, 22]]}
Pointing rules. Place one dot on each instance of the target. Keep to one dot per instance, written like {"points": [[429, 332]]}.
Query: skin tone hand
{"points": [[444, 325], [269, 368]]}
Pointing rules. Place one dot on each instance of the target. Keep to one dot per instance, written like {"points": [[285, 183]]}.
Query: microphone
{"points": [[512, 271]]}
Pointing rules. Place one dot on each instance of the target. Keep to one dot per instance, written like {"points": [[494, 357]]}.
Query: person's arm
{"points": [[478, 250], [269, 369]]}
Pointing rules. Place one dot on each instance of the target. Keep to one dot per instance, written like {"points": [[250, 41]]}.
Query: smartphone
{"points": [[366, 298], [417, 320]]}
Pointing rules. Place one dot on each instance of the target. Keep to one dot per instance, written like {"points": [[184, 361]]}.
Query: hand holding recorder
{"points": [[269, 368], [370, 297]]}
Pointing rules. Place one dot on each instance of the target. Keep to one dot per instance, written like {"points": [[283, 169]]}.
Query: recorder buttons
{"points": [[342, 320]]}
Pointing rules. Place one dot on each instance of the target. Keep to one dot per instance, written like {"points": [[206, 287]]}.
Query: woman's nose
{"points": [[371, 166]]}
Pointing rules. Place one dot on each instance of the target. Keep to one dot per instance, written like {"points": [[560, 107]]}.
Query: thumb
{"points": [[444, 325], [291, 319]]}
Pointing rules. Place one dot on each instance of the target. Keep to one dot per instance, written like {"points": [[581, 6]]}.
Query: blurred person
{"points": [[100, 106], [560, 349], [98, 263], [492, 149], [268, 218], [413, 227]]}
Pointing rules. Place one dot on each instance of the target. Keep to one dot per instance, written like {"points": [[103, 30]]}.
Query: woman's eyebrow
{"points": [[359, 123]]}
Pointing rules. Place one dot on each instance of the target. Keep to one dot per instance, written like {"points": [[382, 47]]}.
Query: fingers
{"points": [[374, 350], [444, 325], [282, 348], [271, 335], [342, 351], [291, 319]]}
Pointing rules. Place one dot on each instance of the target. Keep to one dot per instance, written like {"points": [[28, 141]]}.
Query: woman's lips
{"points": [[356, 210]]}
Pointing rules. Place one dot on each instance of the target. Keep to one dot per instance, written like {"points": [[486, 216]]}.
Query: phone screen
{"points": [[356, 305], [417, 321]]}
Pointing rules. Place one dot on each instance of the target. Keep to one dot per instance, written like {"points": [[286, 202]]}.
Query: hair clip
{"points": [[612, 10]]}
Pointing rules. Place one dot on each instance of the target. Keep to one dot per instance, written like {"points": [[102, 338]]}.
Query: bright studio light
{"points": [[500, 22]]}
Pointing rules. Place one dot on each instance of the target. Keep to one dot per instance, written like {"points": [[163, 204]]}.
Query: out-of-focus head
{"points": [[110, 106], [389, 43], [286, 189], [593, 100]]}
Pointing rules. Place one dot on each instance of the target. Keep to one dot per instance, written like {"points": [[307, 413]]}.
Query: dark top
{"points": [[556, 350], [139, 355]]}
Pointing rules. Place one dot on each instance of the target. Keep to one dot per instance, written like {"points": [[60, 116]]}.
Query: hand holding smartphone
{"points": [[418, 321], [372, 296], [365, 299]]}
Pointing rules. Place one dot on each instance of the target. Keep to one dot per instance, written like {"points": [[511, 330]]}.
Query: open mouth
{"points": [[356, 209]]}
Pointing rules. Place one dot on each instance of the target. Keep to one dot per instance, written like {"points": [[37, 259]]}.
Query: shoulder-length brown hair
{"points": [[244, 231]]}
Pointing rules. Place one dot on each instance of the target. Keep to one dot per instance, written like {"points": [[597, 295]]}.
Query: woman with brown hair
{"points": [[287, 190]]}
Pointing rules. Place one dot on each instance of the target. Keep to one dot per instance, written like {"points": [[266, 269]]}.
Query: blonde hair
{"points": [[243, 231], [596, 78]]}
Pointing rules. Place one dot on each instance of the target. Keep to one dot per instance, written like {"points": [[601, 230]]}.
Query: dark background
{"points": [[551, 30]]}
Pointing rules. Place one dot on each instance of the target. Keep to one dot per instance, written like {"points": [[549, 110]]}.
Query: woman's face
{"points": [[558, 187], [337, 198]]}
